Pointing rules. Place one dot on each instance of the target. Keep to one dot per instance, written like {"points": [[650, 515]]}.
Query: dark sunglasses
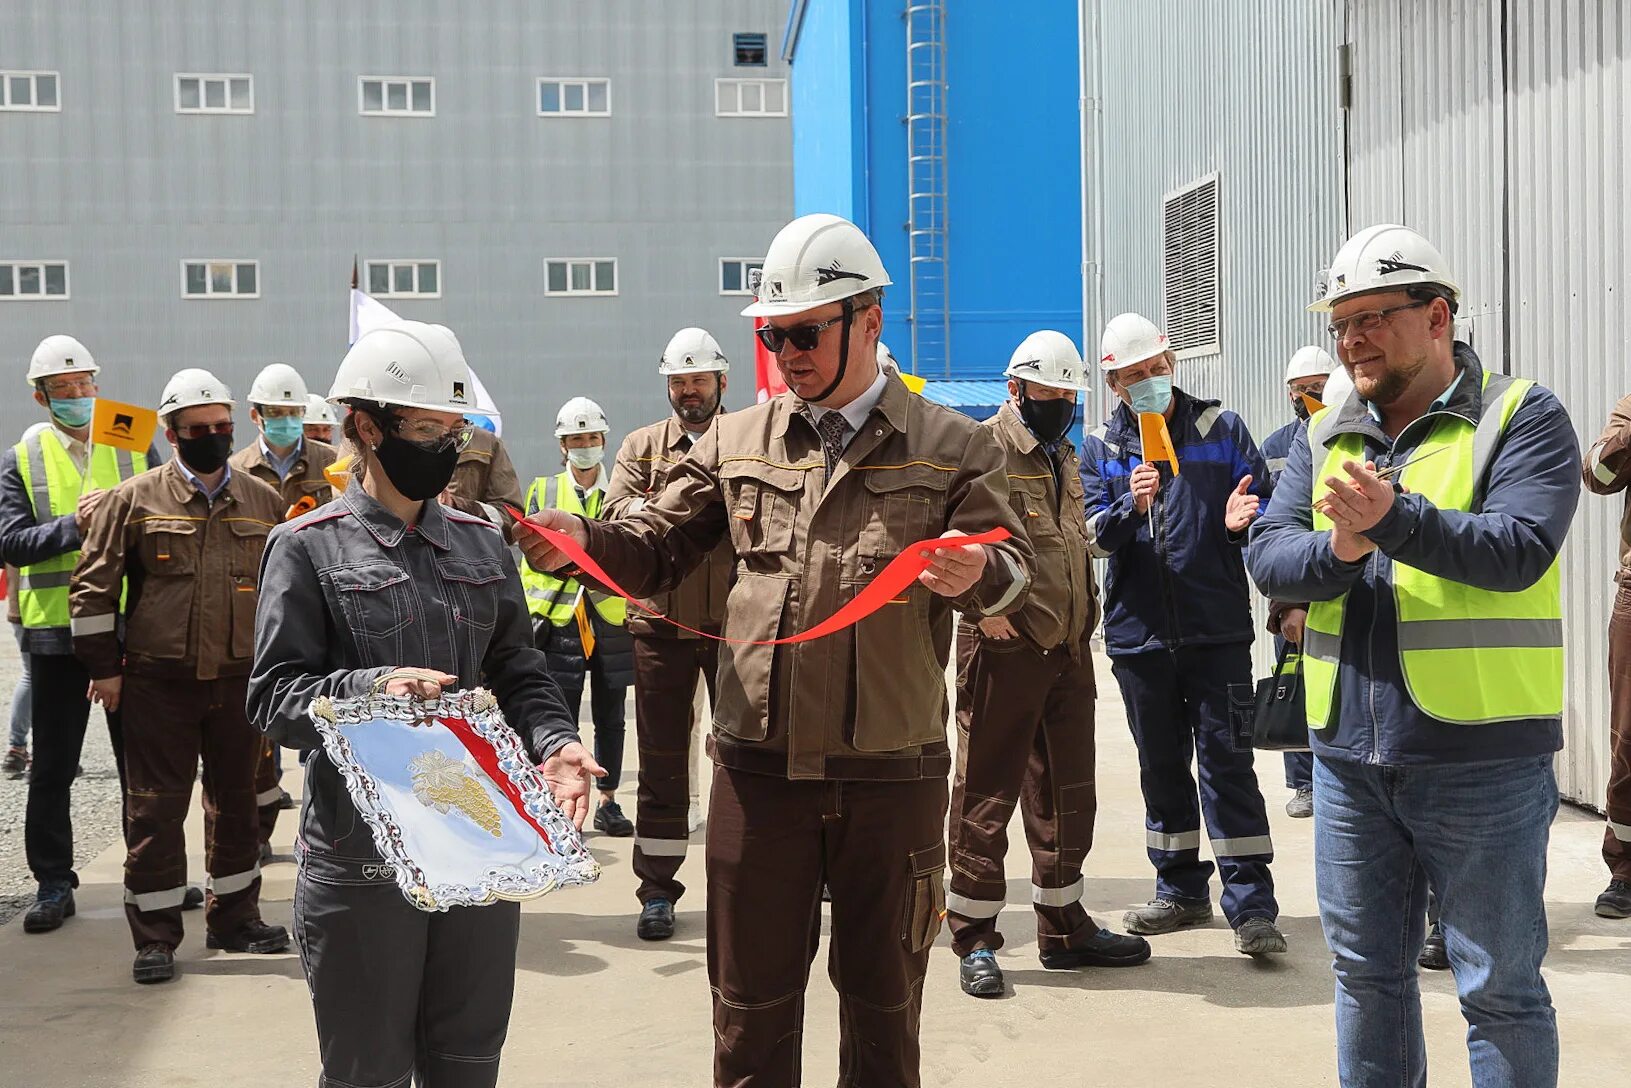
{"points": [[802, 337], [199, 430]]}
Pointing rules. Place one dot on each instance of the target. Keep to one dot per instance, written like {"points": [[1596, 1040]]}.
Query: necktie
{"points": [[831, 426], [685, 443]]}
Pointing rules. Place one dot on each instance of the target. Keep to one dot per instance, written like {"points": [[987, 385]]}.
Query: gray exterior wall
{"points": [[123, 187]]}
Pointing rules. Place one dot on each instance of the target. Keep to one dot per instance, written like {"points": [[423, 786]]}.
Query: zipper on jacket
{"points": [[1158, 530]]}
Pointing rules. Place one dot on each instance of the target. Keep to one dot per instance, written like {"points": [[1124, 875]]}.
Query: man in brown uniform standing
{"points": [[484, 481], [1025, 692], [668, 660], [1608, 471], [188, 536], [831, 754]]}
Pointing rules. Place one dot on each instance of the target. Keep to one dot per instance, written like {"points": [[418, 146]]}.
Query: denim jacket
{"points": [[349, 593]]}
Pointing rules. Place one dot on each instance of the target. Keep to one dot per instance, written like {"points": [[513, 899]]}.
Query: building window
{"points": [[405, 279], [750, 97], [220, 279], [32, 91], [750, 49], [580, 276], [735, 273], [559, 97], [393, 96], [33, 280], [229, 93], [1190, 263]]}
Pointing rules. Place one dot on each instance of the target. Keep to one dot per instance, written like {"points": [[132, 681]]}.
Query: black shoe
{"points": [[1165, 916], [979, 974], [193, 898], [16, 762], [1434, 956], [266, 852], [1615, 902], [1102, 949], [1301, 805], [256, 937], [154, 963], [1259, 937], [52, 904], [609, 818], [285, 802], [656, 921]]}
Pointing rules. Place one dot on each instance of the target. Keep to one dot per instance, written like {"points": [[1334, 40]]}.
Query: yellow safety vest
{"points": [[552, 598], [1469, 655], [54, 486]]}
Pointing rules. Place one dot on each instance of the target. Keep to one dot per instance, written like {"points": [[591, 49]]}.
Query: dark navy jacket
{"points": [[1529, 499], [1175, 576], [1277, 448]]}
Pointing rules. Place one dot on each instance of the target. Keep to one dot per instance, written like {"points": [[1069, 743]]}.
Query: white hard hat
{"points": [[192, 387], [319, 412], [1130, 338], [1309, 362], [580, 415], [60, 354], [1338, 387], [692, 351], [1047, 358], [408, 364], [1380, 258], [814, 260], [278, 384]]}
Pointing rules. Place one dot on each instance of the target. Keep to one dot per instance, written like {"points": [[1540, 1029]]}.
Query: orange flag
{"points": [[586, 629], [1313, 404], [1152, 432], [123, 426]]}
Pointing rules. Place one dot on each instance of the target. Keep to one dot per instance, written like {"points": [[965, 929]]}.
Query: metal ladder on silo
{"points": [[926, 187]]}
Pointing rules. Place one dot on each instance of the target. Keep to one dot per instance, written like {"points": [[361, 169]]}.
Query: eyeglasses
{"points": [[1369, 321], [803, 337], [59, 390], [199, 430], [432, 435]]}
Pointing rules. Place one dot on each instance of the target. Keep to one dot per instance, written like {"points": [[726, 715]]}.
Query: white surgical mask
{"points": [[587, 457]]}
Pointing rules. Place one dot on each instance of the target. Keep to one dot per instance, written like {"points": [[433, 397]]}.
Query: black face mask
{"points": [[205, 454], [1047, 419], [416, 472], [1299, 408]]}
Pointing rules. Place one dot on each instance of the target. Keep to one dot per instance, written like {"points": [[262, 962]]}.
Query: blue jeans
{"points": [[1478, 833], [21, 703]]}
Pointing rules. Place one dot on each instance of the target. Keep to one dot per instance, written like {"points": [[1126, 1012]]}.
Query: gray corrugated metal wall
{"points": [[123, 187]]}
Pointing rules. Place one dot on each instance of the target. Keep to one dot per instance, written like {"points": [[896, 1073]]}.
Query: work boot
{"points": [[979, 974], [609, 818], [1166, 915], [1259, 937], [53, 903], [285, 802], [1102, 949], [192, 898], [257, 937], [1615, 902], [154, 963], [656, 921], [16, 762], [1434, 956], [1301, 805]]}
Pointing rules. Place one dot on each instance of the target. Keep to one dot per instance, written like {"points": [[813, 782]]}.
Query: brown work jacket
{"points": [[192, 567], [305, 475], [484, 482], [1607, 470]]}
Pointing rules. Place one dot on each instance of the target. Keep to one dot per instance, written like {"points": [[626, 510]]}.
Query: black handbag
{"points": [[1271, 715]]}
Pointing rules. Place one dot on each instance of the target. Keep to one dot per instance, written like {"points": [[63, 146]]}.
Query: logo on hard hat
{"points": [[1386, 266], [1108, 358], [458, 390], [206, 394], [833, 273]]}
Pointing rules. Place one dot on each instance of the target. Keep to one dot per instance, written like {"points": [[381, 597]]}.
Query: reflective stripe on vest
{"points": [[1468, 655], [54, 486], [551, 598]]}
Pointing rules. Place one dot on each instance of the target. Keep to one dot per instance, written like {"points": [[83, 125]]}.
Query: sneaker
{"points": [[656, 921], [257, 937], [154, 963], [53, 903], [1301, 805], [693, 817], [979, 975], [1434, 956], [16, 762], [1615, 902], [1102, 949], [609, 819], [1165, 916], [1259, 937]]}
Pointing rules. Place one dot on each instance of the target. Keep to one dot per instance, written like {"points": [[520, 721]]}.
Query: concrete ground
{"points": [[597, 1007]]}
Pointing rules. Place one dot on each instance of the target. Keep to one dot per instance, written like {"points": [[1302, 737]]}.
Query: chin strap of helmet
{"points": [[843, 354]]}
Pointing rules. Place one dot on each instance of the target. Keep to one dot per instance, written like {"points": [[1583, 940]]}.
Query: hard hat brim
{"points": [[1034, 380]]}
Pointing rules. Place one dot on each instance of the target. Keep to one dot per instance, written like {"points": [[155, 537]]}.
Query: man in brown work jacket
{"points": [[1608, 471], [188, 537], [1025, 692], [667, 659], [484, 481], [831, 754]]}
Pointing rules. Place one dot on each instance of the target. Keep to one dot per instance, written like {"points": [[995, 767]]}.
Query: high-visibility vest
{"points": [[1469, 655], [54, 486], [552, 598]]}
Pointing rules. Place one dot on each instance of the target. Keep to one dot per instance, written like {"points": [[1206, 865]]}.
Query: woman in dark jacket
{"points": [[385, 589]]}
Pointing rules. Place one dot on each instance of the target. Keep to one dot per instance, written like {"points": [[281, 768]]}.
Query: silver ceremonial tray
{"points": [[456, 807]]}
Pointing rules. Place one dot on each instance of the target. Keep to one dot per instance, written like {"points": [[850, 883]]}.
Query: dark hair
{"points": [[867, 299], [1427, 292]]}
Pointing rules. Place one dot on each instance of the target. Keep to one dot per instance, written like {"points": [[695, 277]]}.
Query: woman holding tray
{"points": [[386, 590]]}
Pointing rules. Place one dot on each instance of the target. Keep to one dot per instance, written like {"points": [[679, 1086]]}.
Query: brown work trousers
{"points": [[268, 790], [665, 684], [169, 724], [772, 843], [1025, 739], [1617, 836]]}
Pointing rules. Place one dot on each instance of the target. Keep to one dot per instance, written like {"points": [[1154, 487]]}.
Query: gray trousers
{"points": [[402, 995]]}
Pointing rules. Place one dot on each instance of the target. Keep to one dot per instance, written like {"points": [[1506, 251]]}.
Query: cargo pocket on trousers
{"points": [[925, 897]]}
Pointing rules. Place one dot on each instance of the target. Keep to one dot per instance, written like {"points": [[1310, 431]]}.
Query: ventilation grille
{"points": [[1190, 261]]}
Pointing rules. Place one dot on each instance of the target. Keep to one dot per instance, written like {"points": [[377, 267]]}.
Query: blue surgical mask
{"points": [[73, 411], [1151, 394], [283, 431]]}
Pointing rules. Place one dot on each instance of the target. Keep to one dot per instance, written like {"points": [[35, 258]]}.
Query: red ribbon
{"points": [[889, 583]]}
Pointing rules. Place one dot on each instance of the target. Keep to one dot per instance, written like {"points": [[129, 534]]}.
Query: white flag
{"points": [[368, 312]]}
